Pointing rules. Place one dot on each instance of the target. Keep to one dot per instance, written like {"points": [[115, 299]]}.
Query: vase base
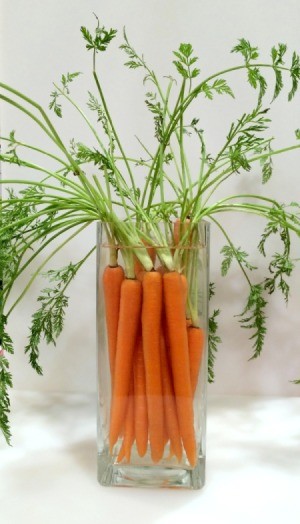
{"points": [[139, 476]]}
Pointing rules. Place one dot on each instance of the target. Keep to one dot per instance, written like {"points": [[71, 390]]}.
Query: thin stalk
{"points": [[181, 108], [165, 101], [181, 147], [30, 242], [45, 262], [56, 225], [90, 125], [63, 180], [37, 149], [251, 160], [259, 211], [154, 162], [28, 113], [111, 124], [53, 133]]}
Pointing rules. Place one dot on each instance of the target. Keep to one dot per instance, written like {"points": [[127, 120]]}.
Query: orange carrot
{"points": [[170, 404], [196, 344], [140, 401], [140, 275], [128, 440], [151, 326], [112, 279], [129, 321], [166, 434], [121, 453], [176, 324]]}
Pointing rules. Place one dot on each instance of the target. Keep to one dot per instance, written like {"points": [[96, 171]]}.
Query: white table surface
{"points": [[49, 475]]}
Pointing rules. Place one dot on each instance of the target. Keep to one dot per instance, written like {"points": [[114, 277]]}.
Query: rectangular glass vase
{"points": [[152, 327]]}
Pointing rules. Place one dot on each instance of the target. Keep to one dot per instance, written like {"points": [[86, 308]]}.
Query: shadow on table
{"points": [[85, 454], [250, 430]]}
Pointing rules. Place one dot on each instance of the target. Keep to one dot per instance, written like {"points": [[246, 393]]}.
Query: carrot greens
{"points": [[132, 194]]}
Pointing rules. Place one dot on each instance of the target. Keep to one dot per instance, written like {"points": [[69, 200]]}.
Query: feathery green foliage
{"points": [[92, 182]]}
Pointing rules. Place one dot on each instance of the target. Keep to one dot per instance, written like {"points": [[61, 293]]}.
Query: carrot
{"points": [[151, 326], [140, 400], [140, 275], [170, 404], [137, 264], [196, 344], [176, 324], [128, 440], [129, 321], [112, 279], [121, 454]]}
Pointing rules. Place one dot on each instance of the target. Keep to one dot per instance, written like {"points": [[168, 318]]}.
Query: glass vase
{"points": [[152, 329]]}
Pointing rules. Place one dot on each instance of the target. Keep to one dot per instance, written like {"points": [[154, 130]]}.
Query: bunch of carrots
{"points": [[155, 355]]}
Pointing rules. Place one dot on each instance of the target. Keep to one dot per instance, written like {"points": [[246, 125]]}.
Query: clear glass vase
{"points": [[152, 326]]}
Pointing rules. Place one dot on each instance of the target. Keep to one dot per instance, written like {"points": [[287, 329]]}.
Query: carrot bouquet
{"points": [[155, 348], [157, 344]]}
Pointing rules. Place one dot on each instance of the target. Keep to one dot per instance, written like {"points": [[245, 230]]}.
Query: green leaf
{"points": [[181, 69], [67, 79], [253, 76], [185, 61], [245, 48], [87, 37], [297, 134], [280, 267], [211, 290], [230, 253], [262, 87], [207, 90], [6, 343], [254, 318], [48, 321], [186, 50], [132, 64], [278, 84], [195, 72], [213, 341], [54, 104], [295, 75], [157, 110], [220, 86], [256, 80], [267, 171], [135, 60], [277, 55], [5, 384], [101, 39]]}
